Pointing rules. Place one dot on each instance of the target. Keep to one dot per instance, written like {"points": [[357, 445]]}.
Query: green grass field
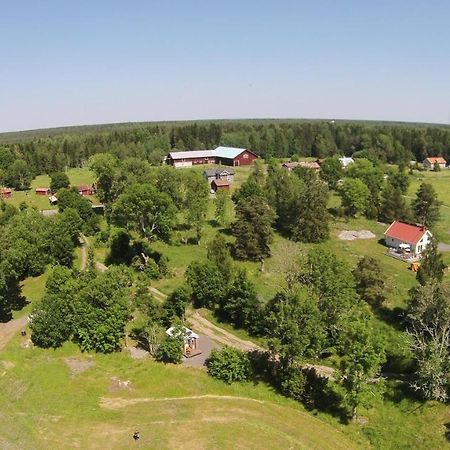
{"points": [[48, 406], [76, 177]]}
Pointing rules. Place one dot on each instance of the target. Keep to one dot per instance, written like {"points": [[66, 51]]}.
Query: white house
{"points": [[408, 237], [346, 161]]}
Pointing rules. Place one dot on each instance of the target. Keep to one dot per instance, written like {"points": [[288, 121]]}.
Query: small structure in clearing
{"points": [[190, 340], [42, 191], [5, 193]]}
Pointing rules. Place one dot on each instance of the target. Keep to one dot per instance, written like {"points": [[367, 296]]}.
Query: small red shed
{"points": [[5, 193], [43, 191], [222, 185], [84, 190]]}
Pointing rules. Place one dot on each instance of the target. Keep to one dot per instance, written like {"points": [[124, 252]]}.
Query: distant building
{"points": [[190, 339], [43, 191], [53, 200], [428, 163], [228, 156], [219, 173], [406, 236], [313, 165], [5, 193], [346, 161]]}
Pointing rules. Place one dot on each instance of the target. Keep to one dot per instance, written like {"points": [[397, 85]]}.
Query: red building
{"points": [[220, 185], [228, 156], [84, 190], [43, 191], [5, 193]]}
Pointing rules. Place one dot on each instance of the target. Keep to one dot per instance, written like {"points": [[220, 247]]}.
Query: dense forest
{"points": [[36, 153]]}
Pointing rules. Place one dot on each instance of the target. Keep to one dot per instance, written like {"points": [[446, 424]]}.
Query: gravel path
{"points": [[204, 326], [9, 329]]}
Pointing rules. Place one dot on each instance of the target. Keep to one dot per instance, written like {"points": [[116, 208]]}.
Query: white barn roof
{"points": [[193, 154]]}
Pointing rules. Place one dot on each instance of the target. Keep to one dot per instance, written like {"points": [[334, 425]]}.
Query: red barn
{"points": [[5, 193], [43, 191], [228, 156]]}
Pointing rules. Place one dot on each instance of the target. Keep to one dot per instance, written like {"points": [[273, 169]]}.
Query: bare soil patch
{"points": [[78, 365], [351, 235], [119, 385]]}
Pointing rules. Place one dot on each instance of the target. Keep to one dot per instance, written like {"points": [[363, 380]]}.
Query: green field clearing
{"points": [[76, 177], [172, 407]]}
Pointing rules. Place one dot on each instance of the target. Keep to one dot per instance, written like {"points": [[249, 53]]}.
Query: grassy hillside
{"points": [[64, 399]]}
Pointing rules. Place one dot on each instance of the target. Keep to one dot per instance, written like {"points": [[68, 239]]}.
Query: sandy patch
{"points": [[119, 385], [351, 235], [78, 365]]}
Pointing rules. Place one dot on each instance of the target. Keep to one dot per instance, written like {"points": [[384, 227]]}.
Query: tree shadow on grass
{"points": [[394, 317]]}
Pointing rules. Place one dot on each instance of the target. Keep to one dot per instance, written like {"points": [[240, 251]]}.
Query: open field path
{"points": [[220, 335], [9, 329], [84, 246]]}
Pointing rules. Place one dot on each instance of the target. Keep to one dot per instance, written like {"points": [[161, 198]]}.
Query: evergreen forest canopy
{"points": [[49, 151]]}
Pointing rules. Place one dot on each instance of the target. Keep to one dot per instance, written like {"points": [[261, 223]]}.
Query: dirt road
{"points": [[9, 329]]}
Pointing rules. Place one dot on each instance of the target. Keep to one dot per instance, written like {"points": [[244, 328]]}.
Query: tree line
{"points": [[391, 143]]}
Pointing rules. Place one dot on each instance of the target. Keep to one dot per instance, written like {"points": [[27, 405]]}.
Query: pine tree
{"points": [[253, 229], [393, 205], [431, 265], [426, 205]]}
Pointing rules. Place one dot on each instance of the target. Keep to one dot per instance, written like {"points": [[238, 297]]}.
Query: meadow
{"points": [[67, 399]]}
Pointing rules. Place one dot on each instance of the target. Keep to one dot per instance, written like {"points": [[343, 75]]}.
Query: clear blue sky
{"points": [[81, 62]]}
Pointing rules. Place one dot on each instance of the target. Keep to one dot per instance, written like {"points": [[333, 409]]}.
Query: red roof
{"points": [[42, 189], [405, 232], [221, 183], [438, 159], [6, 191], [84, 187]]}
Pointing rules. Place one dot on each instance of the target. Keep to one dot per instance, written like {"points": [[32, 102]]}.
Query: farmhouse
{"points": [[346, 161], [314, 165], [43, 191], [428, 163], [5, 193], [220, 185], [219, 173], [408, 237], [228, 156]]}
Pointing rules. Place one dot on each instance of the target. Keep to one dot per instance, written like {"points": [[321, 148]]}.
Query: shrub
{"points": [[170, 350], [229, 365]]}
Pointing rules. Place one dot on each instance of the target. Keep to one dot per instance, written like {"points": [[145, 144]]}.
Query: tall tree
{"points": [[429, 326], [104, 165], [241, 303], [253, 228], [145, 210], [370, 283], [431, 265], [331, 171], [59, 180], [426, 205], [393, 205], [355, 196]]}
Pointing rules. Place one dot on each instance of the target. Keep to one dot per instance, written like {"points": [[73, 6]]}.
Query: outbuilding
{"points": [[346, 161], [313, 165], [5, 193], [220, 185], [407, 237], [428, 163], [84, 190], [190, 340], [43, 191], [219, 173]]}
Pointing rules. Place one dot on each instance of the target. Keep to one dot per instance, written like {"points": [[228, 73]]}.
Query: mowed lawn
{"points": [[46, 404], [76, 177]]}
